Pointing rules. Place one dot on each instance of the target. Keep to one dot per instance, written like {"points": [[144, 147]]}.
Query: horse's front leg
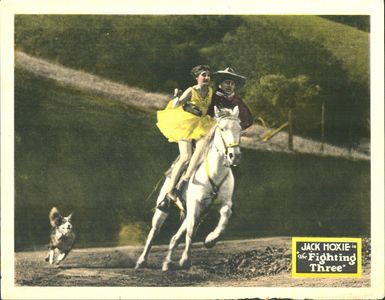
{"points": [[173, 244], [185, 261], [194, 211], [212, 237], [157, 222], [225, 213]]}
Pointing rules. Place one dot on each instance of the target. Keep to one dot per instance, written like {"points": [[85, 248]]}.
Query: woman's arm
{"points": [[183, 98]]}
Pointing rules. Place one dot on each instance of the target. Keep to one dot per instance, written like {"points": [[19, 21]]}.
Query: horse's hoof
{"points": [[185, 263], [166, 266], [140, 265], [211, 240]]}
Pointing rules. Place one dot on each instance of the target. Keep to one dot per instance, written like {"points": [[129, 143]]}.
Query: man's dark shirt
{"points": [[221, 101]]}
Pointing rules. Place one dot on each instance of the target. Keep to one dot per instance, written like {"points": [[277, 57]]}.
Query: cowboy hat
{"points": [[229, 74]]}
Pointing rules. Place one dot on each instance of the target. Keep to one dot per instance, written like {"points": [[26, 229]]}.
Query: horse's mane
{"points": [[208, 140], [209, 137]]}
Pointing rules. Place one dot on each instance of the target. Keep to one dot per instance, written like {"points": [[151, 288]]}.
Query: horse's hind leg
{"points": [[173, 244], [157, 222]]}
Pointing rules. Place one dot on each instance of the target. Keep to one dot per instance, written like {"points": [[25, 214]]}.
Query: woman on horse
{"points": [[183, 121]]}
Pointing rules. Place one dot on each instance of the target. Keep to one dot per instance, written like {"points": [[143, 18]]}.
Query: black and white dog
{"points": [[62, 236]]}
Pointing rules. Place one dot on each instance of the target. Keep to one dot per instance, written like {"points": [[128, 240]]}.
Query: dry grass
{"points": [[90, 83], [279, 143]]}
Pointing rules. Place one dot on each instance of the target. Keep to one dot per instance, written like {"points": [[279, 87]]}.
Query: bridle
{"points": [[227, 146], [215, 187]]}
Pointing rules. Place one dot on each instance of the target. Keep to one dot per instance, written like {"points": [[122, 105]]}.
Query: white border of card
{"points": [[374, 8]]}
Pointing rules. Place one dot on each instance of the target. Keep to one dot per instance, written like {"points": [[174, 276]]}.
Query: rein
{"points": [[230, 145], [214, 186], [227, 146]]}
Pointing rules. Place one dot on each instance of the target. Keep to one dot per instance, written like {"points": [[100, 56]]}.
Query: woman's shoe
{"points": [[164, 205]]}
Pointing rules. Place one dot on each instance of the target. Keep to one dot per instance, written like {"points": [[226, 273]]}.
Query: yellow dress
{"points": [[177, 124]]}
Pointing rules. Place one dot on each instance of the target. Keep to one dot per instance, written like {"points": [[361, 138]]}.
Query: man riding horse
{"points": [[225, 96]]}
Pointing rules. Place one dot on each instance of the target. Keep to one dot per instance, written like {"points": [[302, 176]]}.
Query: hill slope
{"points": [[149, 101], [84, 153], [347, 44], [156, 53], [110, 45], [101, 158]]}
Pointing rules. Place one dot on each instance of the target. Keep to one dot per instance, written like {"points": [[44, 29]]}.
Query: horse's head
{"points": [[228, 134]]}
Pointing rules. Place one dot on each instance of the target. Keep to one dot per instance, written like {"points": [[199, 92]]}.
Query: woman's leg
{"points": [[199, 146], [185, 150]]}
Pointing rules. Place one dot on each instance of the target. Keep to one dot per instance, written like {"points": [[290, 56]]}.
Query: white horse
{"points": [[213, 179]]}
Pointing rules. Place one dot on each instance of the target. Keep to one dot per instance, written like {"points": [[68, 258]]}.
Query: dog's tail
{"points": [[55, 217]]}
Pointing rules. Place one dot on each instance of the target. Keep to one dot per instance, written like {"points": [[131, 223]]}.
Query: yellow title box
{"points": [[326, 257]]}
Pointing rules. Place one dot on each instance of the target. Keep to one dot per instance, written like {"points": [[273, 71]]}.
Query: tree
{"points": [[280, 95]]}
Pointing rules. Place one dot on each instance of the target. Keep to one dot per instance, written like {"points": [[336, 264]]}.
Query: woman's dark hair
{"points": [[199, 69]]}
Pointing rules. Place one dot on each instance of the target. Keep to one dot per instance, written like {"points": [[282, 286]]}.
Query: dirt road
{"points": [[257, 262]]}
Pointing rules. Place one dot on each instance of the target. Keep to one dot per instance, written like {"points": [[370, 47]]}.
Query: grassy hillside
{"points": [[304, 45], [347, 44], [101, 159], [112, 45], [147, 51], [156, 53], [85, 154], [361, 22]]}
